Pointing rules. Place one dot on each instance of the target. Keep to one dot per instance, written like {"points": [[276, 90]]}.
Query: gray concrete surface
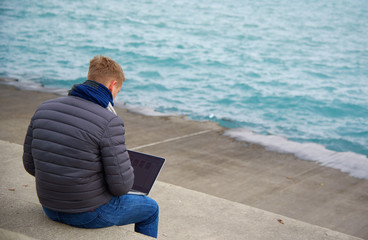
{"points": [[9, 235], [200, 158], [184, 214]]}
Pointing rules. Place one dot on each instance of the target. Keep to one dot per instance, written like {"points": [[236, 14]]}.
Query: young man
{"points": [[75, 148]]}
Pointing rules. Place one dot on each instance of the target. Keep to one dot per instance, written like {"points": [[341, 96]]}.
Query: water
{"points": [[291, 73]]}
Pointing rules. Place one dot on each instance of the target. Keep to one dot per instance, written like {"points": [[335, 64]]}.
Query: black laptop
{"points": [[146, 170]]}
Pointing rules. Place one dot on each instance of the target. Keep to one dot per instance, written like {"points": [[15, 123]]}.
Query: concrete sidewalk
{"points": [[184, 214], [200, 158]]}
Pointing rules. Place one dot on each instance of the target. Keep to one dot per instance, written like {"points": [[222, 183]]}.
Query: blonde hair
{"points": [[103, 70]]}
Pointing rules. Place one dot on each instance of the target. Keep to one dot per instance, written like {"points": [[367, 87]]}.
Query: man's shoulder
{"points": [[78, 105], [70, 101], [65, 99]]}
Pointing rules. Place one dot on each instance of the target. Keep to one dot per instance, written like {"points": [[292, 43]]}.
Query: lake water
{"points": [[290, 76]]}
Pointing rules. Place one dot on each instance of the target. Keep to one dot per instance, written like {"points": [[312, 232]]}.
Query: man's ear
{"points": [[112, 84]]}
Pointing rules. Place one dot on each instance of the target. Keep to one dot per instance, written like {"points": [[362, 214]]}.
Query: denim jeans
{"points": [[126, 209]]}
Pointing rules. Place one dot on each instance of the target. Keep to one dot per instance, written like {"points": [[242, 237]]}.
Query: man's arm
{"points": [[27, 152], [118, 170]]}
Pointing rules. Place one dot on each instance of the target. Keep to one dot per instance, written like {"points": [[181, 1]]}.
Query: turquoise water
{"points": [[294, 70]]}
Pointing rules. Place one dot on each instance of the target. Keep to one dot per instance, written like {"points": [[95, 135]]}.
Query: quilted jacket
{"points": [[76, 151]]}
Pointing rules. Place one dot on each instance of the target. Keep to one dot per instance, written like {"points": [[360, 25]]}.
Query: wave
{"points": [[145, 111], [31, 86], [354, 164]]}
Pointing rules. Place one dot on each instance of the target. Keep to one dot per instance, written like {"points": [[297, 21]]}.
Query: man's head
{"points": [[107, 72]]}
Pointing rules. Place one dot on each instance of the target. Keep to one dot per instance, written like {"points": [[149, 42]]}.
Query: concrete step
{"points": [[184, 214]]}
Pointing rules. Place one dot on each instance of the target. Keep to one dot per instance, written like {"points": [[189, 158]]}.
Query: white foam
{"points": [[354, 164], [27, 85], [146, 111]]}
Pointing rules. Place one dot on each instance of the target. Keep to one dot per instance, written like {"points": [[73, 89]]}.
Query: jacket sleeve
{"points": [[27, 153], [117, 167]]}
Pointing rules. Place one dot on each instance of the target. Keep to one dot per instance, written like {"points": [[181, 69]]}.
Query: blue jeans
{"points": [[126, 209]]}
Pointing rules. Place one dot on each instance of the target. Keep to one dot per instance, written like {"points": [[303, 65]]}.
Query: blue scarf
{"points": [[94, 92]]}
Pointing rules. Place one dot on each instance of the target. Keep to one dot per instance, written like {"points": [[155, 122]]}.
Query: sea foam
{"points": [[145, 111], [354, 164]]}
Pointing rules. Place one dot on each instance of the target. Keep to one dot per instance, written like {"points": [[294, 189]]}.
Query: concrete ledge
{"points": [[184, 214]]}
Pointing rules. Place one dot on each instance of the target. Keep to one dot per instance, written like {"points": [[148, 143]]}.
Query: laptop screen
{"points": [[146, 169]]}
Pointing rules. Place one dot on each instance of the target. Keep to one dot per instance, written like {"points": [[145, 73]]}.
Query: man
{"points": [[75, 148]]}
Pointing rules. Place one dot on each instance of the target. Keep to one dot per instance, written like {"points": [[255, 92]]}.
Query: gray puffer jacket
{"points": [[76, 150]]}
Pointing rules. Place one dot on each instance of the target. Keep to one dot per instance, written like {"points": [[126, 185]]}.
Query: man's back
{"points": [[75, 148], [78, 147]]}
